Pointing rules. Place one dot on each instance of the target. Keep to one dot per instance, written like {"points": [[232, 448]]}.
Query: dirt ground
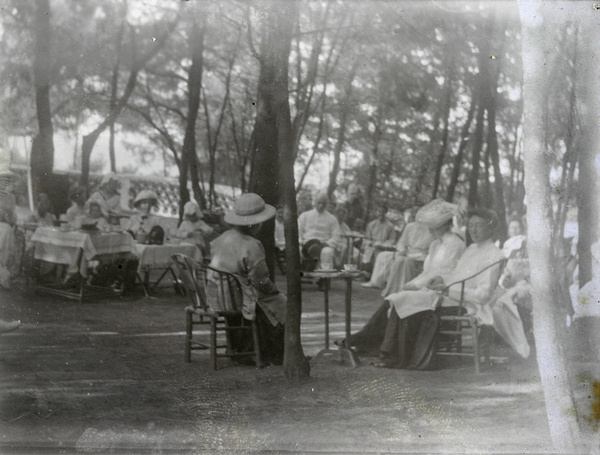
{"points": [[109, 377]]}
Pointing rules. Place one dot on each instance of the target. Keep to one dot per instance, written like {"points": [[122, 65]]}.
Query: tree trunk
{"points": [[264, 178], [295, 364], [537, 39], [444, 147], [341, 139], [42, 149], [458, 159]]}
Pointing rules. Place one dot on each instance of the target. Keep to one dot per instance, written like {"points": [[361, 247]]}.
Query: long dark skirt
{"points": [[270, 339], [401, 343]]}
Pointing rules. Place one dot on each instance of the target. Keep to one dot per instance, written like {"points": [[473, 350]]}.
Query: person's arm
{"points": [[204, 228], [258, 273], [402, 245]]}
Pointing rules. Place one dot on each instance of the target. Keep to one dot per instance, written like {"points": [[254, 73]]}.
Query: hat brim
{"points": [[248, 220], [437, 223]]}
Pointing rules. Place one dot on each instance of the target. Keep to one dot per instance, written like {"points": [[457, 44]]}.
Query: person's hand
{"points": [[436, 284]]}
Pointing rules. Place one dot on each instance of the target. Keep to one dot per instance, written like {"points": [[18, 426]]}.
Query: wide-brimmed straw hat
{"points": [[146, 195], [191, 208], [249, 209], [436, 213]]}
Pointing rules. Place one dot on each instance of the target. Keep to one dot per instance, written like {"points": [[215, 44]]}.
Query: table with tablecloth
{"points": [[77, 248], [158, 257]]}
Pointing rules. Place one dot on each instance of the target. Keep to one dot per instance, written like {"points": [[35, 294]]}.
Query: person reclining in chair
{"points": [[405, 338], [238, 252]]}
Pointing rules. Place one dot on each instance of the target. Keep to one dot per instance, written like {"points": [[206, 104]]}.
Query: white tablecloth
{"points": [[159, 256]]}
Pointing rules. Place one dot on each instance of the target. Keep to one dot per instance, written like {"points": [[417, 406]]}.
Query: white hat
{"points": [[146, 195], [249, 209], [436, 213], [191, 207]]}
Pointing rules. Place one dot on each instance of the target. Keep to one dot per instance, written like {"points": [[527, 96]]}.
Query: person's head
{"points": [[43, 204], [514, 228], [145, 200], [77, 195], [437, 215], [95, 210], [341, 213], [249, 212], [381, 212], [482, 224], [192, 212], [353, 192], [110, 184], [320, 202], [279, 214]]}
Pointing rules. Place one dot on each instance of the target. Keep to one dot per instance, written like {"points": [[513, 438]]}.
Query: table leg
{"points": [[346, 352], [327, 352]]}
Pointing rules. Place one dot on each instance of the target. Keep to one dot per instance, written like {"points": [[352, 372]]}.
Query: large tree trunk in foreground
{"points": [[295, 364], [42, 149], [547, 314]]}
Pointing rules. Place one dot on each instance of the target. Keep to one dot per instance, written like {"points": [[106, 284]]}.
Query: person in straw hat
{"points": [[193, 229], [444, 252], [143, 220], [237, 251]]}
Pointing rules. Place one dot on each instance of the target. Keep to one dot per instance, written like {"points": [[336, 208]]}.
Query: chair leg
{"points": [[213, 342], [188, 337], [256, 345], [475, 331]]}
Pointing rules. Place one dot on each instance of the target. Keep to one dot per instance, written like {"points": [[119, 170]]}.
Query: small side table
{"points": [[343, 353]]}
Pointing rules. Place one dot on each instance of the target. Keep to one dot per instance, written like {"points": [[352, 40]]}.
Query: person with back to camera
{"points": [[316, 233], [408, 338], [42, 215], [237, 251], [355, 207]]}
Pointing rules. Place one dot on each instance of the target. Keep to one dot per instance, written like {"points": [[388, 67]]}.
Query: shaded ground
{"points": [[109, 377]]}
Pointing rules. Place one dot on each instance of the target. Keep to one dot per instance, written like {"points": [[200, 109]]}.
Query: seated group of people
{"points": [[402, 331]]}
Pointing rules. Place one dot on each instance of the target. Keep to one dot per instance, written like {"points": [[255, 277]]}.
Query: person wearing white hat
{"points": [[193, 229], [405, 325], [237, 251], [444, 253], [143, 220], [95, 214], [108, 192]]}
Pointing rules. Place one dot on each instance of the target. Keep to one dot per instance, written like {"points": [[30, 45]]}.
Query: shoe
{"points": [[6, 327], [368, 284]]}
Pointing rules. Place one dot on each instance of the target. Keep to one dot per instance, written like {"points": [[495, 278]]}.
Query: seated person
{"points": [[279, 230], [109, 195], [7, 196], [316, 229], [405, 338], [515, 238], [237, 251], [380, 234], [355, 207], [140, 223], [95, 214], [77, 196], [193, 229], [42, 215], [393, 269], [341, 256], [9, 260]]}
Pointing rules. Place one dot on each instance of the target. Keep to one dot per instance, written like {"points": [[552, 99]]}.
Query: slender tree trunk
{"points": [[42, 148], [476, 156], [345, 105], [444, 147], [295, 364], [264, 178], [458, 159], [537, 41]]}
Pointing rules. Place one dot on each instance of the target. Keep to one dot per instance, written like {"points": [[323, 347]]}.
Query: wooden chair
{"points": [[213, 296], [454, 327]]}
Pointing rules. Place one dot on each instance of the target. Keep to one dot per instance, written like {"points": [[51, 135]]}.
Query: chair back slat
{"points": [[225, 290], [192, 279]]}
